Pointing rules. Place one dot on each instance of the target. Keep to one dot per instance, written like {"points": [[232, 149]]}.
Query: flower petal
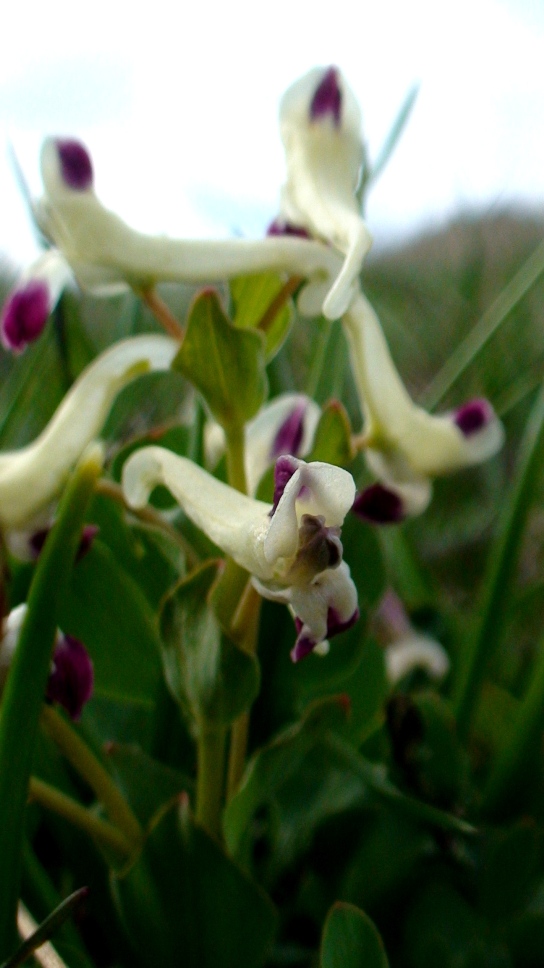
{"points": [[31, 302], [105, 253], [33, 476], [405, 444], [320, 125]]}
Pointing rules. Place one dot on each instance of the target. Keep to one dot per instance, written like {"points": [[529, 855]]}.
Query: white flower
{"points": [[33, 299], [32, 477], [320, 125], [106, 254], [406, 446], [292, 550], [286, 425]]}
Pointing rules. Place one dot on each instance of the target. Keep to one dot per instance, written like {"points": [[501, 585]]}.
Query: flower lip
{"points": [[38, 538], [289, 435], [319, 548], [473, 416], [75, 164], [335, 625], [25, 315], [71, 679], [379, 505], [327, 99]]}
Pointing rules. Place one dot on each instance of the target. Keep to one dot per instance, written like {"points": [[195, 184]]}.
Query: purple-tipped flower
{"points": [[31, 302], [289, 436], [75, 164], [72, 677], [38, 538], [24, 315], [379, 505], [473, 416], [327, 100], [281, 227]]}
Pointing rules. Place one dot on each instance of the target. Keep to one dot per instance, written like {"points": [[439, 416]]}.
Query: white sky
{"points": [[178, 104]]}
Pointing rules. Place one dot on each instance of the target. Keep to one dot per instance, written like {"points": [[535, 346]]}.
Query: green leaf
{"points": [[332, 440], [224, 363], [211, 678], [252, 297], [274, 765], [351, 940], [184, 902], [147, 784], [507, 873], [105, 608], [47, 929]]}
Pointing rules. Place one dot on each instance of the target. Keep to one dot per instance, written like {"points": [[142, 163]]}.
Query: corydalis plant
{"points": [[292, 550], [320, 125]]}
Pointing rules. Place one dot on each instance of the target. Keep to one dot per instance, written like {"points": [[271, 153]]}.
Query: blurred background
{"points": [[178, 105]]}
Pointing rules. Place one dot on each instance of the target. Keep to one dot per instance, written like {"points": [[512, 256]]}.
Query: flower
{"points": [[33, 299], [292, 550], [107, 256], [71, 678], [286, 425], [32, 477], [404, 445], [407, 649], [320, 125]]}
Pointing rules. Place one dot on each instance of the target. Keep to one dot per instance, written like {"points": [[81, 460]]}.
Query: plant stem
{"points": [[89, 767], [502, 564], [210, 778], [235, 458], [278, 303], [511, 760], [27, 680], [245, 629], [108, 835], [162, 313]]}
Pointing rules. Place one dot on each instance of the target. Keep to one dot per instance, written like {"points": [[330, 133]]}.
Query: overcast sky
{"points": [[178, 105]]}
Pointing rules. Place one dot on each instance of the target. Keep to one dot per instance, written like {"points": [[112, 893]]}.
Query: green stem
{"points": [[510, 765], [52, 799], [502, 564], [245, 630], [485, 328], [27, 681], [89, 767], [236, 473], [317, 363], [209, 787]]}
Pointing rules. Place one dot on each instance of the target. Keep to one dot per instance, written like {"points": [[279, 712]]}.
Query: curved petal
{"points": [[32, 477], [320, 125], [405, 443], [234, 522], [104, 252]]}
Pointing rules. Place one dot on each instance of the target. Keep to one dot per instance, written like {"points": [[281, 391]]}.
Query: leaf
{"points": [[184, 902], [274, 765], [332, 440], [47, 929], [105, 608], [211, 678], [147, 784], [351, 940], [509, 866], [252, 297], [224, 363]]}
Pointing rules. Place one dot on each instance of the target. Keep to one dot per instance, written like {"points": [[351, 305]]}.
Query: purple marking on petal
{"points": [[24, 315], [281, 227], [75, 163], [379, 505], [472, 416], [335, 625], [283, 472], [327, 100], [71, 678], [302, 647], [289, 436], [38, 539]]}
